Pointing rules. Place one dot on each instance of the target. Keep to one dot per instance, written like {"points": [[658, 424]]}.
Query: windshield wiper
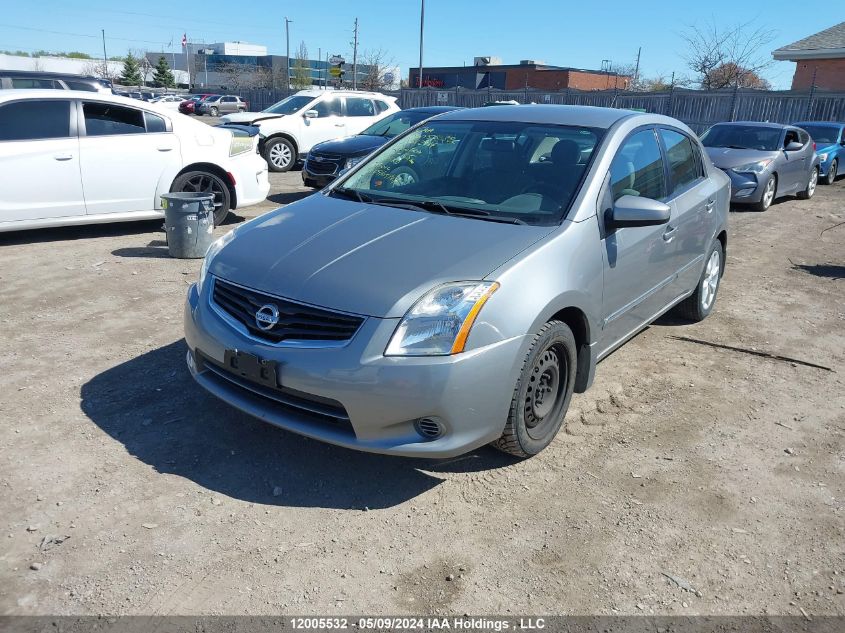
{"points": [[349, 194], [435, 206]]}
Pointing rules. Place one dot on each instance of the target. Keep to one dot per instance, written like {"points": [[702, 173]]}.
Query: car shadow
{"points": [[831, 271], [152, 406], [156, 249], [88, 231], [290, 196]]}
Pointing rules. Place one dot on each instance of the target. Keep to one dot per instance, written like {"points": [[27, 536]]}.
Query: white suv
{"points": [[291, 127]]}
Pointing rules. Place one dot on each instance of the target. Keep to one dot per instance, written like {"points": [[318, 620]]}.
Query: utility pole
{"points": [[422, 25], [105, 57], [355, 57], [287, 54], [637, 68]]}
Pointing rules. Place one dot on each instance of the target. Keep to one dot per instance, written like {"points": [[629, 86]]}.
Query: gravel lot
{"points": [[128, 490]]}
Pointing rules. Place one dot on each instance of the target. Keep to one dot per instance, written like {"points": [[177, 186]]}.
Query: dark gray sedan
{"points": [[764, 161]]}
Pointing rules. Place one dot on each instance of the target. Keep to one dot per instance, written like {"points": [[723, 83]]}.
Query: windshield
{"points": [[743, 137], [490, 170], [822, 134], [289, 105], [395, 124]]}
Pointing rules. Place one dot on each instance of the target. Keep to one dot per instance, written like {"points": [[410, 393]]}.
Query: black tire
{"points": [[831, 172], [765, 201], [275, 152], [811, 185], [213, 111], [204, 181], [532, 423], [311, 183], [699, 304]]}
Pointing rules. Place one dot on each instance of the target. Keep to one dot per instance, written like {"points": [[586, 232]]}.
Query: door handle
{"points": [[709, 206], [63, 156], [340, 124], [164, 149], [669, 233]]}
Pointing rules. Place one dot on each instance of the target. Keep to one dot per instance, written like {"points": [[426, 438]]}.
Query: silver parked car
{"points": [[222, 104], [764, 161], [459, 284]]}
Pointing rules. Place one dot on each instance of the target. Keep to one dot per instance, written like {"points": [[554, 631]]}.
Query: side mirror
{"points": [[794, 146], [311, 114], [639, 211]]}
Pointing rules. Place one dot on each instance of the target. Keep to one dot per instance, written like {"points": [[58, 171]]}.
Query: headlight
{"points": [[439, 323], [823, 157], [351, 162], [241, 142], [756, 167], [212, 251]]}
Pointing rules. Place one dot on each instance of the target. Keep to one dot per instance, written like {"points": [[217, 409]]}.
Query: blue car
{"points": [[829, 138]]}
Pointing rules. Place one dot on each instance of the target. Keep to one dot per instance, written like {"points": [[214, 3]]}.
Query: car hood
{"points": [[351, 146], [827, 149], [725, 157], [249, 117], [371, 260]]}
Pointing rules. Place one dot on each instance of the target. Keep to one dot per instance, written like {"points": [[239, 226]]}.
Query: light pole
{"points": [[422, 25], [287, 54], [105, 58]]}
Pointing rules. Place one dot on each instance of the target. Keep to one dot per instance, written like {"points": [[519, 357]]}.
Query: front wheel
{"points": [[831, 172], [213, 111], [699, 304], [543, 391], [768, 194], [279, 154], [206, 182], [811, 185]]}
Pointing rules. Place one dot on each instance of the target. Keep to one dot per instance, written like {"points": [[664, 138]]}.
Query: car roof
{"points": [[433, 109], [314, 92], [779, 126], [47, 75], [588, 116], [17, 95], [830, 123]]}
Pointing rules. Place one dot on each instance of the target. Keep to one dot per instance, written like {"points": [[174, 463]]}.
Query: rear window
{"points": [[34, 120], [825, 134], [26, 83], [80, 85]]}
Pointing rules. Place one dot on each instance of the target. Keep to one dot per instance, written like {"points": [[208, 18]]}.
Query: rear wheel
{"points": [[279, 154], [768, 194], [699, 304], [206, 182], [543, 391], [831, 172], [811, 185]]}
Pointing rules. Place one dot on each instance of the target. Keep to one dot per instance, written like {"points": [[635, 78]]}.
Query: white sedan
{"points": [[171, 102], [69, 157]]}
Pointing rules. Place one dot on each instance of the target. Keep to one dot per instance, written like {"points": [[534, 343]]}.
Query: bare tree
{"points": [[301, 77], [98, 68], [730, 57], [379, 70]]}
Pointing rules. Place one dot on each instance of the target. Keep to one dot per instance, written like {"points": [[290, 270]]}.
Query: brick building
{"points": [[487, 72], [821, 55]]}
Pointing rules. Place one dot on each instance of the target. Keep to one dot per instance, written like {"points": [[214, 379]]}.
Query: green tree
{"points": [[131, 75], [162, 77], [301, 77]]}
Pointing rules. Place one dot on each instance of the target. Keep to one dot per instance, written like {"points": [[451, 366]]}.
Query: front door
{"points": [[39, 161], [124, 152], [794, 166], [329, 123], [638, 260]]}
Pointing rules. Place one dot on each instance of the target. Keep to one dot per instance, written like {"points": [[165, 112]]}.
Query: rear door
{"points": [[692, 197], [228, 104], [39, 160], [360, 114], [124, 151]]}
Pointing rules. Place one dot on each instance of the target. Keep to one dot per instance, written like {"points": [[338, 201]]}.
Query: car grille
{"points": [[297, 322], [326, 164]]}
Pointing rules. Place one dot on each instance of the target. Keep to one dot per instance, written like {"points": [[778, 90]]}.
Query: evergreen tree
{"points": [[131, 75], [162, 76]]}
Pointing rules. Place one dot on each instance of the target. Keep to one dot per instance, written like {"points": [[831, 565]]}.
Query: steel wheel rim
{"points": [[280, 155], [769, 193], [811, 186], [204, 183], [545, 393], [710, 283]]}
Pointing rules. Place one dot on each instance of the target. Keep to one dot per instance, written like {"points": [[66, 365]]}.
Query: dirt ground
{"points": [[689, 480]]}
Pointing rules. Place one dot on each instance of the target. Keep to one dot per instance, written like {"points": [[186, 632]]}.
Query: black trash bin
{"points": [[189, 223]]}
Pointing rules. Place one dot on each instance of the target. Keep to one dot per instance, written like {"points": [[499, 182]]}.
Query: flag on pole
{"points": [[184, 40]]}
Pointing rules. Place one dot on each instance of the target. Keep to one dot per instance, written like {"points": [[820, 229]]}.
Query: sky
{"points": [[559, 32]]}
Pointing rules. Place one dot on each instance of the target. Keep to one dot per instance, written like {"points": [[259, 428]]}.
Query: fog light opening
{"points": [[429, 428]]}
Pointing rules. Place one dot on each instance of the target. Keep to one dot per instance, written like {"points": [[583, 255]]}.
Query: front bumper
{"points": [[746, 188], [372, 401], [310, 179], [252, 182]]}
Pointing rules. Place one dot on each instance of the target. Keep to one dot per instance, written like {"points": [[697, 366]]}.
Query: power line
{"points": [[122, 39]]}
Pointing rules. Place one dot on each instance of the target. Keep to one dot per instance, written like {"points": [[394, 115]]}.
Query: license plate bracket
{"points": [[251, 367]]}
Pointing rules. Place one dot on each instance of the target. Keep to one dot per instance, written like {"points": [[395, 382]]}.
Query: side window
{"points": [[356, 106], [381, 106], [34, 120], [230, 99], [104, 119], [26, 83], [637, 169], [791, 136], [155, 123], [80, 85], [803, 137], [683, 156], [328, 107]]}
